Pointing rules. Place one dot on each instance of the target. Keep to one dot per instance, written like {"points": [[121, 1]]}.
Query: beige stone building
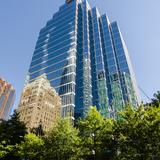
{"points": [[39, 104]]}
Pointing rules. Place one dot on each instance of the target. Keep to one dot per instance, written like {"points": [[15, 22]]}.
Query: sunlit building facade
{"points": [[86, 60], [7, 97], [39, 104]]}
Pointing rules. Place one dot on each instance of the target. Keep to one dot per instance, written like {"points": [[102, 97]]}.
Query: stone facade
{"points": [[39, 104]]}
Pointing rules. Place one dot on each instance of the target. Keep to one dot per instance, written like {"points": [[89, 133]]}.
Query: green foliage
{"points": [[156, 100], [12, 132], [137, 134], [31, 148], [5, 149], [62, 143], [92, 129]]}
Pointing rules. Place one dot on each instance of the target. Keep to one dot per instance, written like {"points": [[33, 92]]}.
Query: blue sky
{"points": [[21, 21]]}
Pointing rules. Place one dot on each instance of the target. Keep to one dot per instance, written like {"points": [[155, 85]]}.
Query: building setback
{"points": [[7, 97], [86, 60], [39, 104]]}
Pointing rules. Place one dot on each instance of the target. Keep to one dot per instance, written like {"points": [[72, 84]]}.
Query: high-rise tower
{"points": [[85, 59], [7, 97]]}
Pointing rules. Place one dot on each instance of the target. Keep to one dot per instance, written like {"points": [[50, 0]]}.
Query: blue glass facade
{"points": [[85, 58]]}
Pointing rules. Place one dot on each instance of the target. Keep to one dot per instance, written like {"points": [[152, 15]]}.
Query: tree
{"points": [[12, 132], [137, 134], [134, 135], [38, 131], [94, 131], [156, 100], [4, 149], [62, 143], [31, 148], [109, 145]]}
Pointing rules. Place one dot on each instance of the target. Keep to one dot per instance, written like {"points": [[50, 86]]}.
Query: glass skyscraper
{"points": [[86, 60], [7, 97]]}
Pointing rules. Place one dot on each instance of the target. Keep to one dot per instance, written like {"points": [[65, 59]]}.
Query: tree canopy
{"points": [[156, 100], [137, 134], [134, 135], [12, 132], [94, 130], [62, 142], [31, 148]]}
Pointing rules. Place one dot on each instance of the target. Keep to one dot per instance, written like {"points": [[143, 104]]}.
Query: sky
{"points": [[21, 21]]}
